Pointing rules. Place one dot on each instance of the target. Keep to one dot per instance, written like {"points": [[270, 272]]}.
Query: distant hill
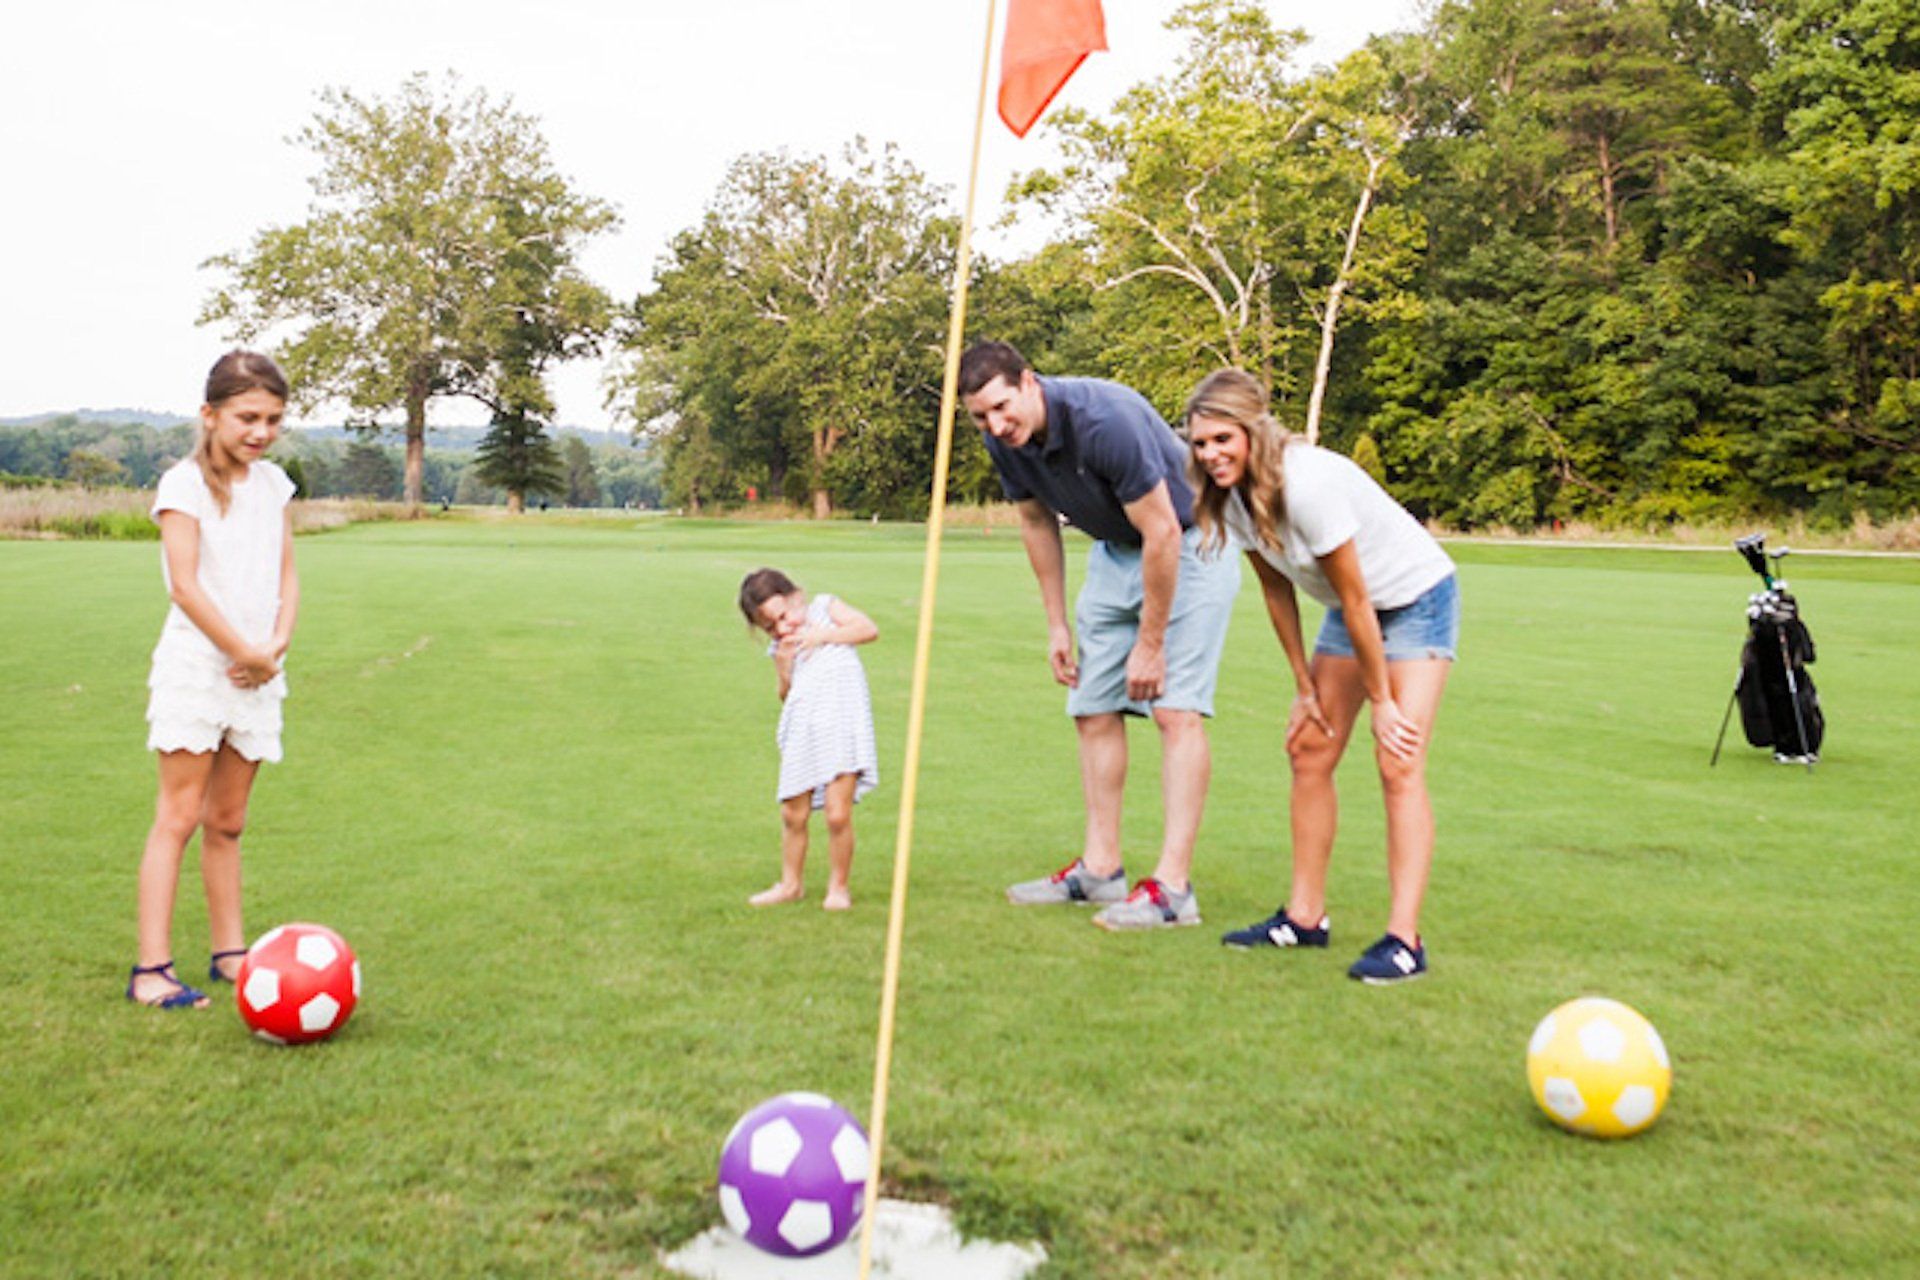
{"points": [[133, 417], [457, 439], [463, 439]]}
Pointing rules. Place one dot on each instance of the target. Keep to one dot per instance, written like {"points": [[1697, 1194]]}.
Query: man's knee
{"points": [[1180, 725]]}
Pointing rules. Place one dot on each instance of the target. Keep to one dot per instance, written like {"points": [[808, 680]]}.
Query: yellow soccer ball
{"points": [[1598, 1068]]}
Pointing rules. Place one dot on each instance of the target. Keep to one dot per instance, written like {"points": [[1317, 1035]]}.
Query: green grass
{"points": [[529, 777]]}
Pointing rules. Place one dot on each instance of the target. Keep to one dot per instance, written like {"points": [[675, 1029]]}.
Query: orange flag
{"points": [[1046, 42]]}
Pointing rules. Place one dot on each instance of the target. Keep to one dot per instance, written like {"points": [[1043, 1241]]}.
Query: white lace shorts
{"points": [[192, 706]]}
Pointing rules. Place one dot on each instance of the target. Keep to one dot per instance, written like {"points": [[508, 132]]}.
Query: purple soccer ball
{"points": [[793, 1175]]}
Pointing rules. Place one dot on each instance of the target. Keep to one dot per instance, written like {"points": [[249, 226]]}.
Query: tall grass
{"points": [[121, 515], [316, 515], [1863, 534], [118, 515]]}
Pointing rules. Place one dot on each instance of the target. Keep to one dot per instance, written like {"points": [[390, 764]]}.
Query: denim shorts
{"points": [[1427, 628], [1107, 615]]}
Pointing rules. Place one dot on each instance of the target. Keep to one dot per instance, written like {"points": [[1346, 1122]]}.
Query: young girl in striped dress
{"points": [[827, 754]]}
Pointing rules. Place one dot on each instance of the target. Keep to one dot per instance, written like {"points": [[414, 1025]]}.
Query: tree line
{"points": [[106, 454], [1624, 260]]}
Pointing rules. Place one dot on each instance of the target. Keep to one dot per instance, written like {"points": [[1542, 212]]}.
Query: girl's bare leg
{"points": [[223, 817], [176, 812], [794, 813], [840, 841]]}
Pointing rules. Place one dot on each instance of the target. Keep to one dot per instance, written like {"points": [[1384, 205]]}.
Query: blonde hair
{"points": [[1230, 395], [233, 374]]}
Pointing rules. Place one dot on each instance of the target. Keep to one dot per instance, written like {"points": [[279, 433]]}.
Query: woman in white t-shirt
{"points": [[1311, 520], [213, 712]]}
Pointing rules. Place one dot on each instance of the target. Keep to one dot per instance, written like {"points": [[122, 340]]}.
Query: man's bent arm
{"points": [[1159, 525]]}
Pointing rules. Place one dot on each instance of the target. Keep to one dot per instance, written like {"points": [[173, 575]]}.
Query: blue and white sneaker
{"points": [[1390, 960], [1279, 930]]}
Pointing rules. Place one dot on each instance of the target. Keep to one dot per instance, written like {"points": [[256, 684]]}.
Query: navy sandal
{"points": [[213, 964], [185, 997]]}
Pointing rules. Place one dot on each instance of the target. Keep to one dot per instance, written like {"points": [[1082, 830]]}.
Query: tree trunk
{"points": [[823, 442], [416, 445], [1331, 318], [516, 502], [1268, 346]]}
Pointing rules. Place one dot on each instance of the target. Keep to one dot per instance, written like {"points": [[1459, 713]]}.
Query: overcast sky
{"points": [[140, 137]]}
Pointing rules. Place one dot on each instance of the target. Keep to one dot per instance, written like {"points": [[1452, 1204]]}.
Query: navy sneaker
{"points": [[1390, 960], [1279, 930]]}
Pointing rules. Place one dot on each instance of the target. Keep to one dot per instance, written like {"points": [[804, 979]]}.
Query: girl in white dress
{"points": [[213, 714], [827, 755]]}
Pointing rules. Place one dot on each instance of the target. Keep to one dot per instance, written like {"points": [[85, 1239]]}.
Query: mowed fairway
{"points": [[529, 777]]}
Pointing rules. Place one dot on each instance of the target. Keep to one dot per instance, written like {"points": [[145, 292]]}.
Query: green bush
{"points": [[105, 526]]}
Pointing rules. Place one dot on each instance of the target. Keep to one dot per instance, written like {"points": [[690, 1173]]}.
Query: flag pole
{"points": [[922, 649]]}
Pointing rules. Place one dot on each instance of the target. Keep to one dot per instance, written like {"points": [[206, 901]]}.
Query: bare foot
{"points": [[838, 899], [776, 895]]}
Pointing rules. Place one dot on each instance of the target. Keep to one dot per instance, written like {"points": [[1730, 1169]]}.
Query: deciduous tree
{"points": [[438, 259], [792, 340]]}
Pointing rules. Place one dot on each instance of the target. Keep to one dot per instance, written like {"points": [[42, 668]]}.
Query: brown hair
{"points": [[761, 586], [233, 374], [1240, 398], [985, 361]]}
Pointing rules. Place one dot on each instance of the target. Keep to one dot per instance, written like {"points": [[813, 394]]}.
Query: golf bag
{"points": [[1779, 707]]}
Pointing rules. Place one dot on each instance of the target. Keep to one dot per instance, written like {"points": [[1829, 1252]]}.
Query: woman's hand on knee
{"points": [[1306, 711], [1395, 731]]}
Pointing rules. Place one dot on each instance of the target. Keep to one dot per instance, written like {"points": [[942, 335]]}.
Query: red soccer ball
{"points": [[299, 983]]}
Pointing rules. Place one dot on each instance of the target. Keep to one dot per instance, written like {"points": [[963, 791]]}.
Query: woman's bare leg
{"points": [[1315, 805], [1417, 686]]}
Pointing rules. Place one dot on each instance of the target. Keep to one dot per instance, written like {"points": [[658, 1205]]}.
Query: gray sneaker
{"points": [[1071, 883], [1151, 905]]}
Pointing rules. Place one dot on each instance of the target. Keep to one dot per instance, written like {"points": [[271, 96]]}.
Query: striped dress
{"points": [[826, 723]]}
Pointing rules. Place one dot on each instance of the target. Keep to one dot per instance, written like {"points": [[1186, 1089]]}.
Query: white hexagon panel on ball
{"points": [[773, 1148]]}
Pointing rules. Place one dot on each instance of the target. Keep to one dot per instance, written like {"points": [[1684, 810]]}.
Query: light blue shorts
{"points": [[1107, 615], [1427, 628]]}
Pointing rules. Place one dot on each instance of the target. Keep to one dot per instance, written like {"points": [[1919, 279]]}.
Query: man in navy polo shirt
{"points": [[1152, 612]]}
